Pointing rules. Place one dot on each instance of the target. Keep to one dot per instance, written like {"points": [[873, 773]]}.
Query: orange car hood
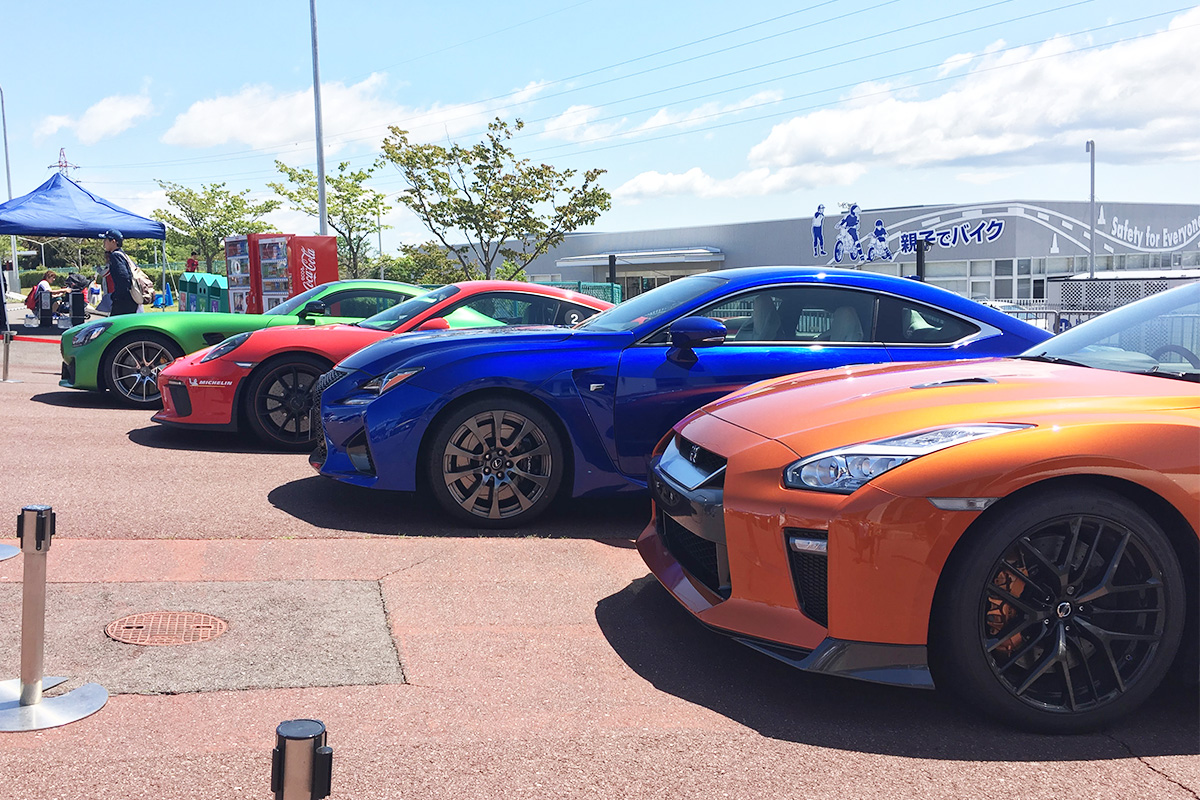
{"points": [[820, 410]]}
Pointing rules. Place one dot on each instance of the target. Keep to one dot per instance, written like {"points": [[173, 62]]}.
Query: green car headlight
{"points": [[846, 469], [382, 383], [225, 347], [89, 333]]}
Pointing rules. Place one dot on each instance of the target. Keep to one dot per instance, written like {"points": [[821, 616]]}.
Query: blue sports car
{"points": [[496, 423]]}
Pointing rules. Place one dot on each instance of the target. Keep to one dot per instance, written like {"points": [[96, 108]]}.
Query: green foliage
{"points": [[508, 209], [207, 216], [351, 209]]}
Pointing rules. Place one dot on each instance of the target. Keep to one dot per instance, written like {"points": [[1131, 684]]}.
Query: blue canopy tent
{"points": [[61, 207]]}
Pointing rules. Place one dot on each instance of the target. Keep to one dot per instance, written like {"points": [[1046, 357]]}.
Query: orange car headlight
{"points": [[846, 469]]}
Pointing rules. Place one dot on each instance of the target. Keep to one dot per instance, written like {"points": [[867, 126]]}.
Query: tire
{"points": [[839, 250], [1028, 629], [495, 481], [279, 398], [130, 367]]}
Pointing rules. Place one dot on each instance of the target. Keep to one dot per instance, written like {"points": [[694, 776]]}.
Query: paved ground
{"points": [[540, 663]]}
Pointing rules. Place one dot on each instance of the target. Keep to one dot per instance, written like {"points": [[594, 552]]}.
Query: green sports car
{"points": [[124, 354]]}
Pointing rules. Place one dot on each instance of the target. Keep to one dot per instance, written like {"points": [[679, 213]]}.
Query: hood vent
{"points": [[955, 382]]}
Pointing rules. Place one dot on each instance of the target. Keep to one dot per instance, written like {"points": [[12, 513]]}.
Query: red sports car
{"points": [[263, 380]]}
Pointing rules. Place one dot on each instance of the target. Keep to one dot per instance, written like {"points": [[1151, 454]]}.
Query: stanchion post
{"points": [[22, 707], [301, 764], [8, 337], [35, 529]]}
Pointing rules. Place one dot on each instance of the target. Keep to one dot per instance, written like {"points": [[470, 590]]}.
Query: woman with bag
{"points": [[119, 276]]}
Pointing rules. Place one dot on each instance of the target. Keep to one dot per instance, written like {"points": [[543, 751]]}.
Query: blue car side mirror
{"points": [[692, 332]]}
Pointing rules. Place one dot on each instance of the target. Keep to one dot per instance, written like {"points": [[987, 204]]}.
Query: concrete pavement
{"points": [[539, 663]]}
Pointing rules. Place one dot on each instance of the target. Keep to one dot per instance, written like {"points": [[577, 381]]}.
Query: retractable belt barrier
{"points": [[22, 706], [301, 764]]}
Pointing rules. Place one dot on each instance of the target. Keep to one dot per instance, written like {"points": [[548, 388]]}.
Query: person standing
{"points": [[118, 278], [193, 263], [818, 232]]}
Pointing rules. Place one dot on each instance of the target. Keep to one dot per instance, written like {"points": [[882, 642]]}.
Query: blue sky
{"points": [[701, 112]]}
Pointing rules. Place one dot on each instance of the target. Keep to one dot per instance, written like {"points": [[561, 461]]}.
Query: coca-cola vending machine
{"points": [[312, 260], [264, 269]]}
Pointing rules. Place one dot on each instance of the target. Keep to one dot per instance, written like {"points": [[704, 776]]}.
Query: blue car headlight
{"points": [[846, 469], [89, 333], [381, 383], [226, 347]]}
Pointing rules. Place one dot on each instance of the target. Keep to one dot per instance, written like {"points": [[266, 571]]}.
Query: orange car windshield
{"points": [[1158, 335]]}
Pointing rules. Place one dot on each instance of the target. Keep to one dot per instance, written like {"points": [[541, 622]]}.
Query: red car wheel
{"points": [[279, 398]]}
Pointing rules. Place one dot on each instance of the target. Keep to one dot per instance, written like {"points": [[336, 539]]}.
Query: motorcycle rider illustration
{"points": [[877, 246], [847, 244]]}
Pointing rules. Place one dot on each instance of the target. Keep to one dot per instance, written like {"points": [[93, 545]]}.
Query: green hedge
{"points": [[31, 277]]}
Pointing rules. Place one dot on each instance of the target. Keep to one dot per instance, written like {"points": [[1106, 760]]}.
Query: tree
{"points": [[508, 209], [351, 209], [206, 217]]}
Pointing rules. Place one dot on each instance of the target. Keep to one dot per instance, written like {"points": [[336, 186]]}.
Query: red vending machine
{"points": [[312, 260], [264, 269], [244, 271]]}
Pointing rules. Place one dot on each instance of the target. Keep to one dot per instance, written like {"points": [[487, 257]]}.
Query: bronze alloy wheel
{"points": [[498, 463], [131, 368]]}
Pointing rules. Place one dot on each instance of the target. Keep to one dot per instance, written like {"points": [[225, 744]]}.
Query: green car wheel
{"points": [[131, 365]]}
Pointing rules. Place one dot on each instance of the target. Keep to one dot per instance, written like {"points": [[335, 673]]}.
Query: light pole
{"points": [[1091, 148], [312, 11], [8, 176]]}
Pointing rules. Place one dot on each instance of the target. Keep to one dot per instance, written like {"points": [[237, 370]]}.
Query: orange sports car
{"points": [[1022, 531]]}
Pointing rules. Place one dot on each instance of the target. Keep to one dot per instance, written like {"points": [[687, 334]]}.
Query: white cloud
{"points": [[261, 116], [103, 120], [583, 123], [984, 177], [575, 125], [1028, 105], [755, 182]]}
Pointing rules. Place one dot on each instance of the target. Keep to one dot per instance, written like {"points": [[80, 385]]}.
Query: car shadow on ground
{"points": [[80, 399], [664, 644], [165, 437], [337, 506]]}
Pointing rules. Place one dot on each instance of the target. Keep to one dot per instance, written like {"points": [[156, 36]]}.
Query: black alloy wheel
{"points": [[131, 364], [495, 463], [279, 401], [1062, 616]]}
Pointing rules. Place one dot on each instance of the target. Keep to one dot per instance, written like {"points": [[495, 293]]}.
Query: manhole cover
{"points": [[166, 627]]}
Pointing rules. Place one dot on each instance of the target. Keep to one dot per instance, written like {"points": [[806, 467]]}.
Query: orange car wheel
{"points": [[1062, 612]]}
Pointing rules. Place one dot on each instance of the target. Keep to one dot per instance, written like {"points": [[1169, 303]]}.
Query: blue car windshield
{"points": [[397, 315], [648, 307]]}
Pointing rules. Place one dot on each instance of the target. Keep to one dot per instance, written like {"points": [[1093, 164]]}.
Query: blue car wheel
{"points": [[496, 463]]}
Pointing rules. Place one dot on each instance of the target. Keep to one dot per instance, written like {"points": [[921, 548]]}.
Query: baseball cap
{"points": [[114, 234]]}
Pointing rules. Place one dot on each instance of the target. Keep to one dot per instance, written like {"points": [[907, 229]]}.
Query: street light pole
{"points": [[312, 10], [1091, 148], [8, 175]]}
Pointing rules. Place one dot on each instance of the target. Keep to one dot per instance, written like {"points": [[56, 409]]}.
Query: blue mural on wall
{"points": [[847, 245], [818, 232], [878, 248]]}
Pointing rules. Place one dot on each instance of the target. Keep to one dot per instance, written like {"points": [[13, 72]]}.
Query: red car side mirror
{"points": [[435, 324]]}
